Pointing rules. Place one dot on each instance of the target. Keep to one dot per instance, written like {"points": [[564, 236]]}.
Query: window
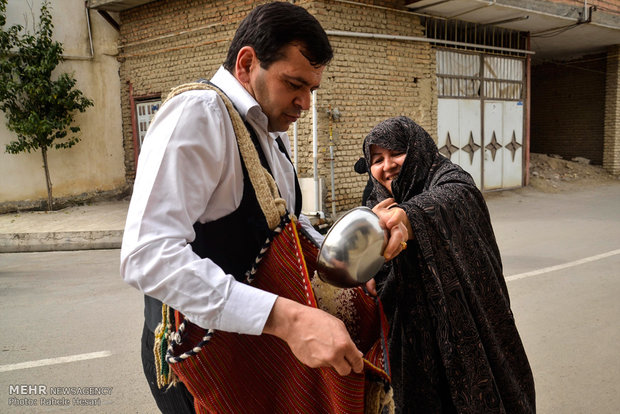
{"points": [[145, 111], [479, 76], [503, 78], [458, 74]]}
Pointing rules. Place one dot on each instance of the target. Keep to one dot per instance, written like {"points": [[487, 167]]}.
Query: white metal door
{"points": [[472, 88], [503, 144], [458, 123], [493, 145], [513, 144]]}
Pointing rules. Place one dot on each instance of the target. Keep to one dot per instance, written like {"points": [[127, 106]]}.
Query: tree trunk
{"points": [[48, 180]]}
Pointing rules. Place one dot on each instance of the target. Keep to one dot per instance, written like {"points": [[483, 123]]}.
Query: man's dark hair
{"points": [[270, 27]]}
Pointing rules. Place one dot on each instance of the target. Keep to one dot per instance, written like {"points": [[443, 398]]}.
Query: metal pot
{"points": [[352, 252]]}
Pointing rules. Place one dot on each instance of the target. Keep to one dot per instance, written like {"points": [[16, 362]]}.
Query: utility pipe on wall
{"points": [[90, 39], [422, 39], [332, 159], [315, 154], [90, 32], [295, 134]]}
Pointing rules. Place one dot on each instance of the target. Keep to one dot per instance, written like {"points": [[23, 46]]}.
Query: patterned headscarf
{"points": [[453, 343]]}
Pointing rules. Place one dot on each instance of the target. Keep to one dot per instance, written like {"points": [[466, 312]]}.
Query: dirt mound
{"points": [[552, 173]]}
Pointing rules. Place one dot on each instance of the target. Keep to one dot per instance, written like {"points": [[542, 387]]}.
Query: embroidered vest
{"points": [[233, 241]]}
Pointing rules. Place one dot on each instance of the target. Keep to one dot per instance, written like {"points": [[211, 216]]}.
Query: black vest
{"points": [[233, 241]]}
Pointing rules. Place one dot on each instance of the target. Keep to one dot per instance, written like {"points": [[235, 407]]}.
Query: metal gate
{"points": [[480, 116]]}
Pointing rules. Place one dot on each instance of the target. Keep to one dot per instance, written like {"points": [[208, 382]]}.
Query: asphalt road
{"points": [[69, 321], [71, 304], [561, 255]]}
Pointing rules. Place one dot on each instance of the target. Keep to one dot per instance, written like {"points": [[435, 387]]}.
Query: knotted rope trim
{"points": [[176, 337], [267, 194]]}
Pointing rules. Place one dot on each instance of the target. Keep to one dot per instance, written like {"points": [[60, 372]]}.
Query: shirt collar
{"points": [[245, 103]]}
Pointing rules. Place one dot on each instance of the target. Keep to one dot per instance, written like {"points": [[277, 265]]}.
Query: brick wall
{"points": [[168, 43], [368, 81], [172, 42], [568, 100], [611, 149]]}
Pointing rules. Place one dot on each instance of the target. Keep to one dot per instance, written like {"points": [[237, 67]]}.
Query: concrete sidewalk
{"points": [[100, 225], [96, 226]]}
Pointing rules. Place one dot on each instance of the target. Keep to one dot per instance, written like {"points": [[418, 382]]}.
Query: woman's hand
{"points": [[371, 287], [395, 220]]}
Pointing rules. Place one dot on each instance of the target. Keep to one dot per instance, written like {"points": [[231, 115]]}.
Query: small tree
{"points": [[38, 109]]}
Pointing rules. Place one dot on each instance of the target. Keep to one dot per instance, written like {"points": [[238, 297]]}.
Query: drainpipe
{"points": [[90, 32], [295, 134], [587, 12], [90, 39], [315, 154], [528, 116], [332, 157], [134, 127]]}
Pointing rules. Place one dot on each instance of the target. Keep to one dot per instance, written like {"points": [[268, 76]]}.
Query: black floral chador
{"points": [[453, 343]]}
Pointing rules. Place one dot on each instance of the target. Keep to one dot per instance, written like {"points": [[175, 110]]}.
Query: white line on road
{"points": [[562, 266], [54, 361], [103, 354]]}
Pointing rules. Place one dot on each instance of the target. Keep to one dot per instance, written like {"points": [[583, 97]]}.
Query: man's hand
{"points": [[395, 220], [316, 338]]}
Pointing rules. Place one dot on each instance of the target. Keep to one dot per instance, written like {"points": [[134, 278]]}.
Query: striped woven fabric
{"points": [[235, 373]]}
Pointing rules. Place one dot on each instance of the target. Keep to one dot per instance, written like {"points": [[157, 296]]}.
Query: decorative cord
{"points": [[267, 194]]}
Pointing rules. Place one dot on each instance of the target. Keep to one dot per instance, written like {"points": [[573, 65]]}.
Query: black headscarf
{"points": [[361, 167], [453, 343]]}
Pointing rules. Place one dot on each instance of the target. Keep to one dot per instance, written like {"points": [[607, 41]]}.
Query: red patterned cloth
{"points": [[234, 373]]}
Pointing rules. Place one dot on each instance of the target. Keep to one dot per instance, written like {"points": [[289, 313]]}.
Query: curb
{"points": [[60, 241]]}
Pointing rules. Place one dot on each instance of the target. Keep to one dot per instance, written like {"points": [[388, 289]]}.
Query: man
{"points": [[189, 196]]}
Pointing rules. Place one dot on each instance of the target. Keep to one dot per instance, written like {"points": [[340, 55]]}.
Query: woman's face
{"points": [[385, 165]]}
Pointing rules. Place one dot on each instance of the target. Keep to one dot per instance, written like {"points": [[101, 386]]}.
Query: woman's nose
{"points": [[388, 162]]}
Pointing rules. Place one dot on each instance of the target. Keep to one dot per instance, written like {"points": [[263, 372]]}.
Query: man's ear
{"points": [[246, 58]]}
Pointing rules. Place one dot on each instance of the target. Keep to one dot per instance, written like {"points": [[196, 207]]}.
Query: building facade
{"points": [[572, 80], [95, 165], [490, 81], [164, 44]]}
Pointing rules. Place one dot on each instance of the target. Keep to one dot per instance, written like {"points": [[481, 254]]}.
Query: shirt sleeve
{"points": [[309, 228], [189, 170]]}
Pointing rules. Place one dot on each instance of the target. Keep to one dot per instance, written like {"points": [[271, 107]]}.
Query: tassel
{"points": [[165, 376], [379, 398]]}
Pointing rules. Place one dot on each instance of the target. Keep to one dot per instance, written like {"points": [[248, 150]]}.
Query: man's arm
{"points": [[187, 171], [179, 176]]}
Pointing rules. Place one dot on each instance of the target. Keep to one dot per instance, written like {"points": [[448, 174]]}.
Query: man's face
{"points": [[284, 89]]}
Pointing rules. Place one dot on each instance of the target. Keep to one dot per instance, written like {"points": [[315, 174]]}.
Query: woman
{"points": [[453, 343]]}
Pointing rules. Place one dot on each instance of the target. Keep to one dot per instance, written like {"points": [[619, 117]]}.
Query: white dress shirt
{"points": [[189, 170]]}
